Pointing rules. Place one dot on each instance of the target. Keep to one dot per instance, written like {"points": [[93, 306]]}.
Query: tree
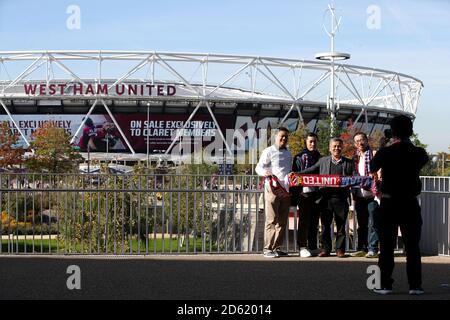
{"points": [[297, 138], [415, 140], [324, 135], [346, 135], [375, 139], [10, 154], [52, 151], [429, 168], [440, 164]]}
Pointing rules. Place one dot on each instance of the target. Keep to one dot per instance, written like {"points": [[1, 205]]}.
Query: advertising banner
{"points": [[102, 135]]}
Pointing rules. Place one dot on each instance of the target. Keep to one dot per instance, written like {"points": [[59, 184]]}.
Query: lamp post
{"points": [[89, 157], [332, 56], [146, 127]]}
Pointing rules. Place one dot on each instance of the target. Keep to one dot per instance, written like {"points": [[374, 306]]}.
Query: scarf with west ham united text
{"points": [[328, 180]]}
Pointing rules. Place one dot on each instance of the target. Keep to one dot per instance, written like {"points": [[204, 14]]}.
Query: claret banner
{"points": [[101, 133], [156, 133], [161, 129]]}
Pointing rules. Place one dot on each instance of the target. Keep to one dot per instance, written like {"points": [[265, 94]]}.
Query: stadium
{"points": [[140, 103]]}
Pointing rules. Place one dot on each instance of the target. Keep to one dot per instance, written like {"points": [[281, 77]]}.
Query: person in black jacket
{"points": [[400, 165], [305, 198], [334, 201]]}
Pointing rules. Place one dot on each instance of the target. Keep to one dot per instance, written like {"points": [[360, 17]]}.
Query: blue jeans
{"points": [[367, 212], [374, 225]]}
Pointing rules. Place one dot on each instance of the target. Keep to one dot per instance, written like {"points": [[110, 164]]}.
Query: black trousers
{"points": [[403, 213], [337, 207], [308, 220]]}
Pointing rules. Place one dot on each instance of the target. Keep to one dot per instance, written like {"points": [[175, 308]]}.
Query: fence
{"points": [[161, 214], [129, 214], [435, 203]]}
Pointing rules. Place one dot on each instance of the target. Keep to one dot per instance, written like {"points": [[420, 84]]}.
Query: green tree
{"points": [[429, 169], [441, 166], [324, 135], [416, 141], [52, 151], [297, 138], [106, 222]]}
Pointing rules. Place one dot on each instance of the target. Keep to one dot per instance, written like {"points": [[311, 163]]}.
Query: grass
{"points": [[138, 247], [27, 246]]}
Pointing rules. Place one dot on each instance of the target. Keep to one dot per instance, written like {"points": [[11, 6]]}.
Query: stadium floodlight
{"points": [[329, 56], [332, 56]]}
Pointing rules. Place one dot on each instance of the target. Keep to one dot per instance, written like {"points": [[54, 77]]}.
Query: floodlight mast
{"points": [[332, 56]]}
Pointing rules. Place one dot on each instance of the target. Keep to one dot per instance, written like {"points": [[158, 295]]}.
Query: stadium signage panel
{"points": [[73, 89], [157, 132]]}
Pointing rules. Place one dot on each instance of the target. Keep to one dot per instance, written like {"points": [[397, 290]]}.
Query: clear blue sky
{"points": [[413, 37]]}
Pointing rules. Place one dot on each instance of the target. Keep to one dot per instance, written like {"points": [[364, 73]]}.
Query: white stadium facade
{"points": [[144, 97]]}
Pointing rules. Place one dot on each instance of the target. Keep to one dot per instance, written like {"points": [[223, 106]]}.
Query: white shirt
{"points": [[362, 166], [336, 162], [278, 161], [362, 172]]}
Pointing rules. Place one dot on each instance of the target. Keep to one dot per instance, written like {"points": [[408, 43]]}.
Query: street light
{"points": [[444, 156]]}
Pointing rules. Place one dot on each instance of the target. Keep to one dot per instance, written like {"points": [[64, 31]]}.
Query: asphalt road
{"points": [[211, 277]]}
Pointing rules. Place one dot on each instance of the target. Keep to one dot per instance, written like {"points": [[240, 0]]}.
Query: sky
{"points": [[409, 36]]}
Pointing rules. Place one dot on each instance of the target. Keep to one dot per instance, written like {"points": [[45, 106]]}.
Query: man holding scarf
{"points": [[366, 207], [333, 201], [305, 198], [275, 162]]}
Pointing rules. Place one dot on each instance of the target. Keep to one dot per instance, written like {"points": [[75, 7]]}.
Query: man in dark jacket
{"points": [[334, 201], [305, 198], [400, 164]]}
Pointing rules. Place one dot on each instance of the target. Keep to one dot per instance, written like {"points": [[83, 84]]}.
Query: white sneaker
{"points": [[372, 254], [383, 291], [416, 291], [270, 254], [304, 253]]}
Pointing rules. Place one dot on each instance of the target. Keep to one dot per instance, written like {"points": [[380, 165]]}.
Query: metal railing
{"points": [[163, 214], [435, 203], [129, 214]]}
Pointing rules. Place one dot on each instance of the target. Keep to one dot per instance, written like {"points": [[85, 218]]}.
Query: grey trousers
{"points": [[277, 211]]}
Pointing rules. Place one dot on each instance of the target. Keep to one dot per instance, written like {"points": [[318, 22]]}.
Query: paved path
{"points": [[235, 277]]}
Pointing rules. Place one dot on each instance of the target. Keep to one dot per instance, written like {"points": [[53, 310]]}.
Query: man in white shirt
{"points": [[275, 160], [366, 206]]}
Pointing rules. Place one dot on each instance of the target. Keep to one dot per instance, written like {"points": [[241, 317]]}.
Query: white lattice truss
{"points": [[210, 77]]}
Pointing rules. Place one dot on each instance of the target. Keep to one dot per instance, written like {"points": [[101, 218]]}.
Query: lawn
{"points": [[43, 246]]}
